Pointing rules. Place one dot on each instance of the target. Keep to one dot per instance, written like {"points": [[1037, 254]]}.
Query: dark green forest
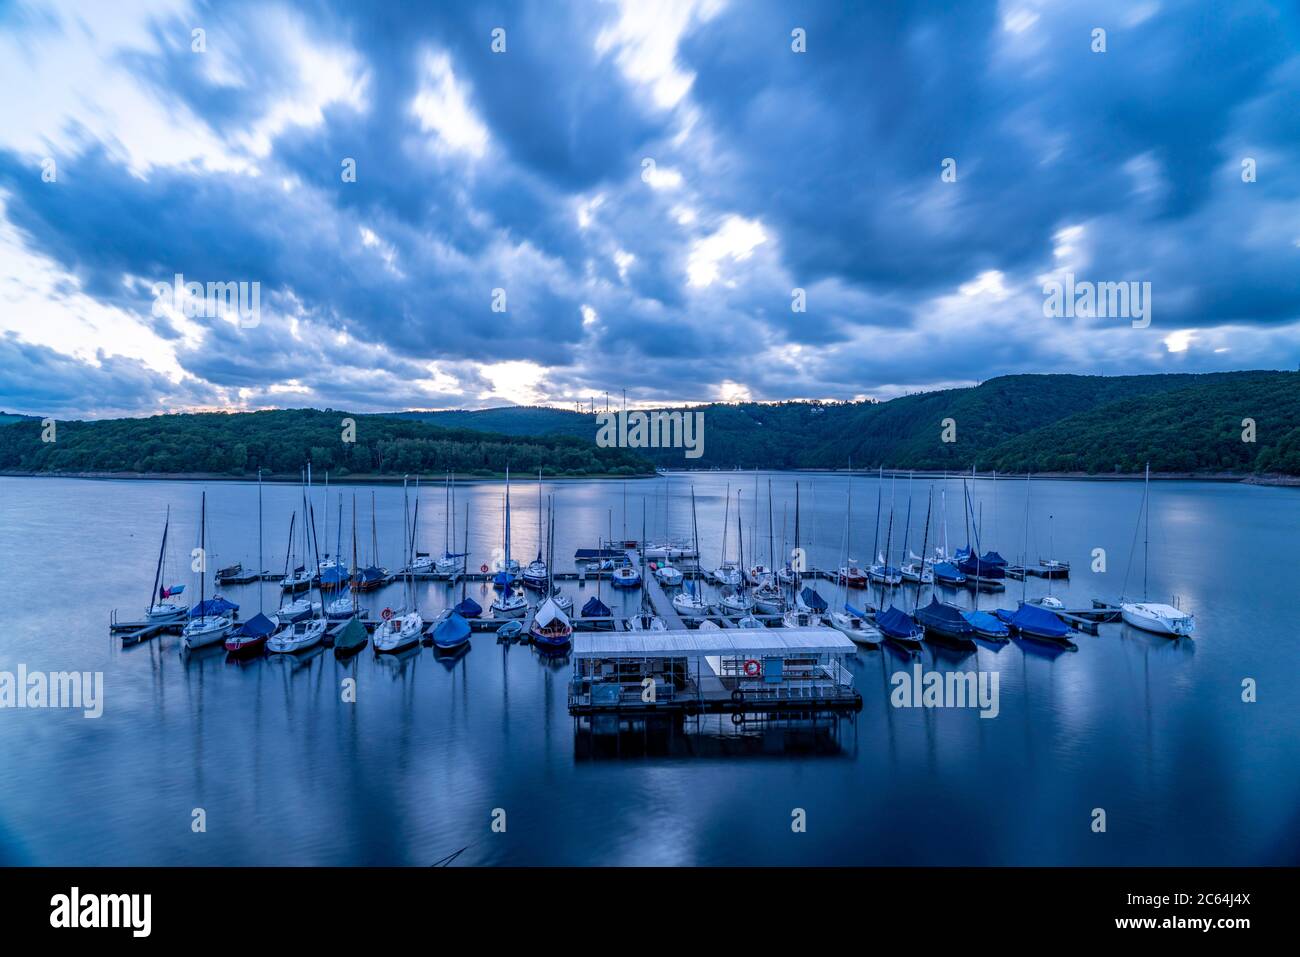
{"points": [[1067, 423], [1039, 423], [282, 441]]}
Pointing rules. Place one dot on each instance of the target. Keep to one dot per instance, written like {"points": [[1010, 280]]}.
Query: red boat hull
{"points": [[240, 647]]}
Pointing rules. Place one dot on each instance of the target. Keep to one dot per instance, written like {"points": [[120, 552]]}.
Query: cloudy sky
{"points": [[646, 184]]}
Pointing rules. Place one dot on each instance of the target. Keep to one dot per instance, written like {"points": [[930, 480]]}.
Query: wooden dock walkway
{"points": [[659, 600]]}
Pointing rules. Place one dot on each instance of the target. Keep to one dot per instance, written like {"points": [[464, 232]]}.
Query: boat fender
{"points": [[752, 668]]}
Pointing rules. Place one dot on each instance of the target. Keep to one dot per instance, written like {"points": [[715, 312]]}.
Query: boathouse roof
{"points": [[725, 642]]}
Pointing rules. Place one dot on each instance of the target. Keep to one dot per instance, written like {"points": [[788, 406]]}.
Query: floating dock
{"points": [[734, 671]]}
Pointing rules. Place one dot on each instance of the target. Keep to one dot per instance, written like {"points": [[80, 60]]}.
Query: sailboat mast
{"points": [[157, 574], [740, 538], [771, 540], [1024, 580], [726, 520], [880, 488], [260, 608], [203, 548], [1146, 535], [464, 579], [796, 578], [925, 541]]}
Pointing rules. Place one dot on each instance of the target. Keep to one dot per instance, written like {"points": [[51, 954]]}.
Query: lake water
{"points": [[1152, 731]]}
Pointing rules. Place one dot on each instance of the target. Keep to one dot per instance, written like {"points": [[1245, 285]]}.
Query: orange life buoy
{"points": [[752, 667], [386, 614], [483, 568]]}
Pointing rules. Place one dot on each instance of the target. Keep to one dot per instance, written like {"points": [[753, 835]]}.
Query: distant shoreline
{"points": [[1285, 481]]}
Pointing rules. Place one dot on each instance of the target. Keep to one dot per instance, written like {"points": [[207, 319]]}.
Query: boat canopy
{"points": [[353, 635], [895, 623], [335, 575], [938, 614], [814, 601], [256, 627], [993, 558], [503, 579], [595, 608], [946, 570], [855, 612], [372, 574], [983, 622], [1037, 621], [452, 630], [548, 613], [212, 608], [468, 608]]}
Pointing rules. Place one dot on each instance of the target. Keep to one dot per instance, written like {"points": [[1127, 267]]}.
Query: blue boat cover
{"points": [[1004, 615], [943, 617], [1038, 621], [468, 608], [256, 627], [451, 631], [856, 613], [947, 571], [993, 558], [372, 574], [982, 621], [595, 608], [895, 624], [814, 601], [502, 580], [212, 607], [335, 575]]}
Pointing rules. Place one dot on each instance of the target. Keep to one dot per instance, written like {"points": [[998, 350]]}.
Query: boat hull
{"points": [[210, 634], [1140, 617]]}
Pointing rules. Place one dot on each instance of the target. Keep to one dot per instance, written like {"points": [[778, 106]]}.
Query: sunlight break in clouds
{"points": [[442, 107]]}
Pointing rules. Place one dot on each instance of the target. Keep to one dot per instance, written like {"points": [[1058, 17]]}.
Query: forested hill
{"points": [[1063, 423], [237, 444]]}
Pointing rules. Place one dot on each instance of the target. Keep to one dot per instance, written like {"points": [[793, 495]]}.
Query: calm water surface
{"points": [[1150, 730]]}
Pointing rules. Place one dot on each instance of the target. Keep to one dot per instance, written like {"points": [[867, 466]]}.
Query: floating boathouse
{"points": [[738, 670]]}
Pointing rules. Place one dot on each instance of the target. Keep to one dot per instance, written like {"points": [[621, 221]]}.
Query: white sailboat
{"points": [[799, 615], [300, 633], [689, 602], [204, 628], [161, 607], [510, 602], [403, 629], [1155, 617]]}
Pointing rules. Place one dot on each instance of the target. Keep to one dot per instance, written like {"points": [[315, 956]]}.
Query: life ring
{"points": [[752, 667], [483, 567], [386, 614]]}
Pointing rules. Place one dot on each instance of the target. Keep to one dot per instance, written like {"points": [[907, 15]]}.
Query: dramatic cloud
{"points": [[513, 202]]}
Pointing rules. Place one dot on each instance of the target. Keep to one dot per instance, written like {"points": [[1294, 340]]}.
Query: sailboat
{"points": [[735, 600], [728, 572], [352, 637], [467, 607], [940, 619], [420, 563], [451, 563], [210, 620], [346, 606], [689, 602], [300, 633], [802, 614], [510, 603], [850, 574], [250, 638], [551, 629], [160, 606], [373, 575], [881, 572], [645, 619], [535, 574], [1155, 617], [296, 577], [402, 629], [851, 621], [768, 596]]}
